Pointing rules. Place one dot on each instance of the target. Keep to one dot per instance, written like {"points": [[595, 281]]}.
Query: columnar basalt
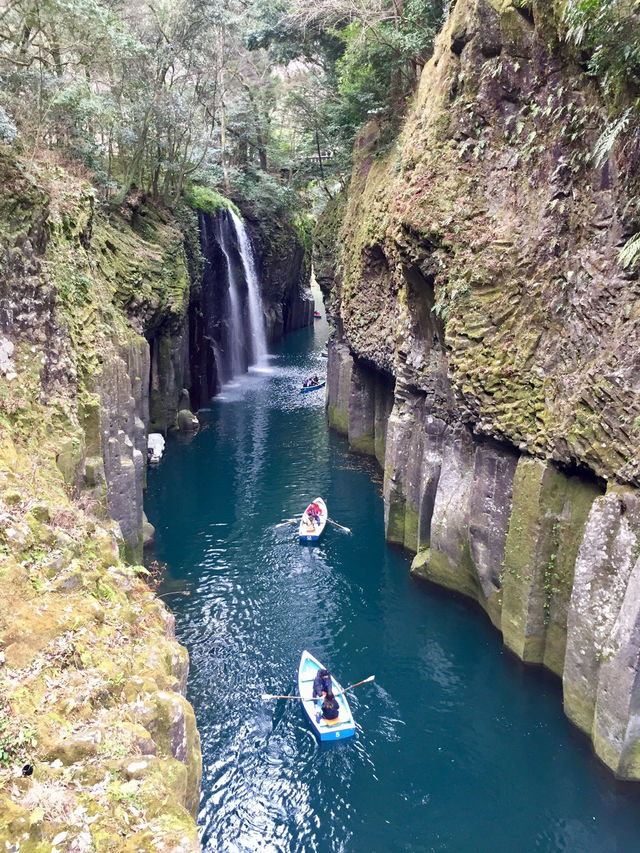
{"points": [[92, 680], [477, 277]]}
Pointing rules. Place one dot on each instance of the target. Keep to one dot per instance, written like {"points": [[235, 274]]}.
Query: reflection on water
{"points": [[454, 750]]}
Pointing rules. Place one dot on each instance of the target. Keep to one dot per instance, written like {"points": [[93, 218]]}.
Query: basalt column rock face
{"points": [[359, 402], [600, 675], [92, 680], [476, 276], [283, 260]]}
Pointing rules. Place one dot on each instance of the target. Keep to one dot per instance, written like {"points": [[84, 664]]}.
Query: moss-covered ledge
{"points": [[92, 682]]}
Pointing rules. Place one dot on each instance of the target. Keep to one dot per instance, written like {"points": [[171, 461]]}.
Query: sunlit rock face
{"points": [[485, 349]]}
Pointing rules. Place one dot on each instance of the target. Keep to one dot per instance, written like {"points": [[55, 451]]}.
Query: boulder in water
{"points": [[186, 421]]}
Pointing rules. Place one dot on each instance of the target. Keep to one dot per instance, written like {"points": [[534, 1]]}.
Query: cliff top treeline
{"points": [[259, 100]]}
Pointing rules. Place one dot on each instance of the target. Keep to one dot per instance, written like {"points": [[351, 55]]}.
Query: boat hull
{"points": [[312, 388], [309, 530], [346, 727]]}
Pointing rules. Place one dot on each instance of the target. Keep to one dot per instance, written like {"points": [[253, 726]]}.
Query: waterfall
{"points": [[233, 321], [235, 335], [256, 314]]}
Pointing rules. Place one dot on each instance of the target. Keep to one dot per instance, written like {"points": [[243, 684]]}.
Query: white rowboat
{"points": [[345, 727], [310, 529]]}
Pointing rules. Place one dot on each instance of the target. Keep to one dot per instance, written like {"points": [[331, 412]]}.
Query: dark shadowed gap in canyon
{"points": [[459, 747]]}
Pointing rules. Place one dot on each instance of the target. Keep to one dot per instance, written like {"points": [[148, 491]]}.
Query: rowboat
{"points": [[315, 387], [155, 447], [345, 726], [309, 529], [317, 315]]}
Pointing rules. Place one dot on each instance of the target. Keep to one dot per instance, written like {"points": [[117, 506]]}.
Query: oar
{"points": [[287, 521], [357, 684], [347, 529], [266, 696]]}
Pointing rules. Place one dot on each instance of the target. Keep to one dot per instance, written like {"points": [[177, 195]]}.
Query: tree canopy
{"points": [[261, 96], [260, 99]]}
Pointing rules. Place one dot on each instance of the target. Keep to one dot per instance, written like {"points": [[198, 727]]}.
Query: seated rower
{"points": [[330, 711], [321, 684], [314, 513]]}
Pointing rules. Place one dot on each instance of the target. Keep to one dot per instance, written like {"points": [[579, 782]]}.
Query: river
{"points": [[459, 747]]}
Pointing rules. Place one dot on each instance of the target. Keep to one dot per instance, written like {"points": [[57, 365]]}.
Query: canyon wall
{"points": [[96, 733], [485, 351]]}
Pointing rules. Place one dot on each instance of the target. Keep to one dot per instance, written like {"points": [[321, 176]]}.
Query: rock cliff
{"points": [[486, 352], [97, 742]]}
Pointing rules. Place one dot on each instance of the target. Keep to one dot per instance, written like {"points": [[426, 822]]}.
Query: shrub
{"points": [[208, 200]]}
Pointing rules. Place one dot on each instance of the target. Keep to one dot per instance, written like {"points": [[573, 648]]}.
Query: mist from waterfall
{"points": [[256, 314]]}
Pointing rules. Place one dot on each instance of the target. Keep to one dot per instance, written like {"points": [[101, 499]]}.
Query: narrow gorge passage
{"points": [[459, 748]]}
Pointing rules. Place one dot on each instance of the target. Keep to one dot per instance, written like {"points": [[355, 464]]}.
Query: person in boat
{"points": [[321, 684], [314, 513], [314, 379], [330, 710]]}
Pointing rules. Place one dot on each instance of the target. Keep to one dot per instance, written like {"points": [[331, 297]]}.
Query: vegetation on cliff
{"points": [[481, 267], [98, 747]]}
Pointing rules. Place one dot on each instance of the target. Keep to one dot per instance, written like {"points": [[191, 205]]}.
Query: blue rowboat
{"points": [[310, 530], [306, 388], [345, 727]]}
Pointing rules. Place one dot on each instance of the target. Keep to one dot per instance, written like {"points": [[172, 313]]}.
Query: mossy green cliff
{"points": [[485, 349], [92, 681]]}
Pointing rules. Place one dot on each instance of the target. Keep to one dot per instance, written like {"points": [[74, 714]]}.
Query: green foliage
{"points": [[259, 101], [608, 32], [262, 195], [360, 61], [380, 61], [630, 253], [208, 200]]}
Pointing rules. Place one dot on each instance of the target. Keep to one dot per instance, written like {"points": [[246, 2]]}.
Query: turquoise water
{"points": [[459, 747]]}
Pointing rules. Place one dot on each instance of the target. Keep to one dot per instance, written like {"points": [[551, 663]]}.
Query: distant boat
{"points": [[155, 447], [345, 726], [317, 315], [311, 530], [315, 387]]}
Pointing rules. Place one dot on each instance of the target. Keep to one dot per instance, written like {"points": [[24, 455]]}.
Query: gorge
{"points": [[478, 275]]}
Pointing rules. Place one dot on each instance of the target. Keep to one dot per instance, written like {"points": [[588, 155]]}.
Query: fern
{"points": [[607, 138], [629, 255]]}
